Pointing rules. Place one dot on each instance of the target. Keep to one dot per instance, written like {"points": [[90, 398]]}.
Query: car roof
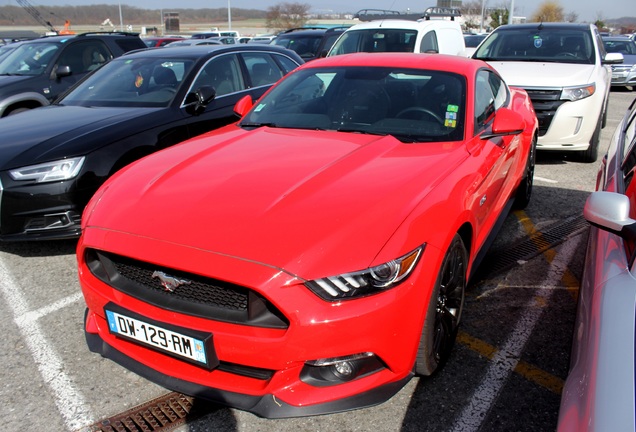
{"points": [[65, 38], [441, 62], [197, 51], [403, 24], [546, 25]]}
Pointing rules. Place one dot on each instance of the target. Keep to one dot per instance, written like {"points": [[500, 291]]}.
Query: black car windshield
{"points": [[558, 45], [304, 45], [28, 59], [135, 82], [411, 105]]}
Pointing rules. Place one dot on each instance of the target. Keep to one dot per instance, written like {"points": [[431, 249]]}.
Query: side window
{"points": [[429, 43], [629, 150], [286, 63], [499, 90], [484, 100], [262, 69], [223, 73], [84, 56]]}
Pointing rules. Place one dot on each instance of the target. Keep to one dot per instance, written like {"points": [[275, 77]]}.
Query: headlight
{"points": [[578, 92], [64, 169], [364, 282]]}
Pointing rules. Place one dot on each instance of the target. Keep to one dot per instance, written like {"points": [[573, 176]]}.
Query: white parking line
{"points": [[69, 401], [504, 362], [545, 180]]}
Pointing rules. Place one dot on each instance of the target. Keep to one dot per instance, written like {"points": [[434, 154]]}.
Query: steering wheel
{"points": [[404, 112]]}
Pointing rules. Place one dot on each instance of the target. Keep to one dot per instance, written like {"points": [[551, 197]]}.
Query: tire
{"points": [[591, 154], [524, 190], [444, 311]]}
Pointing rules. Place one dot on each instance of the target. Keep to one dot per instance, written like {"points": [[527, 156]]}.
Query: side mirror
{"points": [[507, 122], [609, 211], [243, 106], [197, 101], [613, 58], [62, 71]]}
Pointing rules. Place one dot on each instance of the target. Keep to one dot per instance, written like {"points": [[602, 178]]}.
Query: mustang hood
{"points": [[544, 74], [52, 132], [287, 198]]}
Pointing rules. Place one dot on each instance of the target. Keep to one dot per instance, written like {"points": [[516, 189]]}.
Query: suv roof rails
{"points": [[118, 33], [439, 12], [291, 30], [338, 28], [380, 14]]}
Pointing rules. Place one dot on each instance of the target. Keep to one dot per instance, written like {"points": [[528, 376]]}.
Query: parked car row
{"points": [[211, 188]]}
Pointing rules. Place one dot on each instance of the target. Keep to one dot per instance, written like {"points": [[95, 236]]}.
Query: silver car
{"points": [[622, 74], [599, 392]]}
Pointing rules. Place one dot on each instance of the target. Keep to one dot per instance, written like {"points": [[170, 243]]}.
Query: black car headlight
{"points": [[365, 282], [63, 169]]}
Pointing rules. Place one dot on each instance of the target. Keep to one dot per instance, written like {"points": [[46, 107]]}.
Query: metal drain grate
{"points": [[162, 414], [531, 246]]}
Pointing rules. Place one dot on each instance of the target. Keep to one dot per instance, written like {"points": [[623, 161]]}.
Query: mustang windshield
{"points": [[140, 82], [412, 105], [557, 45]]}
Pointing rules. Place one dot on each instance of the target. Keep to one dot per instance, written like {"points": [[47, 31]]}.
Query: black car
{"points": [[52, 159], [309, 42], [36, 72]]}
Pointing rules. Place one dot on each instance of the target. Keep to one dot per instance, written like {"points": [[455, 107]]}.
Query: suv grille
{"points": [[545, 103], [195, 295]]}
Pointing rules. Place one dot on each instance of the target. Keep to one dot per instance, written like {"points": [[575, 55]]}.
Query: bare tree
{"points": [[572, 17], [471, 12], [284, 16], [549, 11]]}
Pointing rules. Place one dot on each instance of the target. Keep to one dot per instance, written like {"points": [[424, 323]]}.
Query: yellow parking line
{"points": [[568, 280], [526, 370]]}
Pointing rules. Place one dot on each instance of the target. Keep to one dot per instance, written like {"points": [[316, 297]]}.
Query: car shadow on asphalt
{"points": [[36, 249]]}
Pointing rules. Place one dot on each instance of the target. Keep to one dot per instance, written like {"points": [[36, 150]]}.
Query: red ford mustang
{"points": [[313, 257]]}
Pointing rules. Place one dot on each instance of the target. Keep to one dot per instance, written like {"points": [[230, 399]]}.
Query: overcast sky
{"points": [[587, 10]]}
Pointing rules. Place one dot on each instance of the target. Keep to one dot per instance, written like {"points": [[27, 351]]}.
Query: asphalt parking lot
{"points": [[505, 374]]}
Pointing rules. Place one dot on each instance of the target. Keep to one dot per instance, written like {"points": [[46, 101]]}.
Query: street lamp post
{"points": [[229, 15], [121, 19]]}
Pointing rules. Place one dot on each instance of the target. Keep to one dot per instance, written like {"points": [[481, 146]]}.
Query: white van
{"points": [[439, 35]]}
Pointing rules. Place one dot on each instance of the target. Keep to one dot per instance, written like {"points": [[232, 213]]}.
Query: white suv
{"points": [[437, 32], [564, 68]]}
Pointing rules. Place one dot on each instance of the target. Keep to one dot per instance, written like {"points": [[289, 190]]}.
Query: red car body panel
{"points": [[271, 209]]}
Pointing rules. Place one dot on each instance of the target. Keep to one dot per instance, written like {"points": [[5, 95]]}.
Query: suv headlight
{"points": [[578, 92], [64, 169], [364, 282]]}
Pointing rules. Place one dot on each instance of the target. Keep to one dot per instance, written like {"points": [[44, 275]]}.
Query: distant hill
{"points": [[95, 14], [622, 25]]}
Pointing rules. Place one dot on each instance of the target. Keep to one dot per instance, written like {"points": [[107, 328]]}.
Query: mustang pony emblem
{"points": [[169, 283]]}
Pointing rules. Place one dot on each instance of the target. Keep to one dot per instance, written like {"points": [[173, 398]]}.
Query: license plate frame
{"points": [[188, 345]]}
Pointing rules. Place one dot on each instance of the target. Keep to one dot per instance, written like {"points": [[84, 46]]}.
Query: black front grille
{"points": [[545, 103], [190, 294]]}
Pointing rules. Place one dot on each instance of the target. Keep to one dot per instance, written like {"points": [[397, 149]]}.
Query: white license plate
{"points": [[157, 337]]}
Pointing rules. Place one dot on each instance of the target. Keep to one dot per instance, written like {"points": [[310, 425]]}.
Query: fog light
{"points": [[338, 370], [343, 369]]}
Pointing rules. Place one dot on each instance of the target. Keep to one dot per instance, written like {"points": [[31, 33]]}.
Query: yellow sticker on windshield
{"points": [[450, 119]]}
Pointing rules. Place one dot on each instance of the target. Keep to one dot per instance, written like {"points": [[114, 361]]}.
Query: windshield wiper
{"points": [[361, 131], [257, 125]]}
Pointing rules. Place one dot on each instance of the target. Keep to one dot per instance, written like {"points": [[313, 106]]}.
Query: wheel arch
{"points": [[28, 100]]}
